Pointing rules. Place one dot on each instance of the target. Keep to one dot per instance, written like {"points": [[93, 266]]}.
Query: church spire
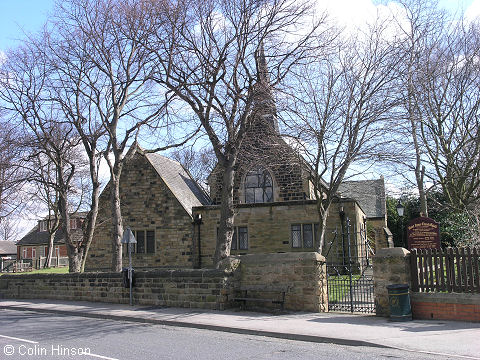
{"points": [[262, 69], [264, 102]]}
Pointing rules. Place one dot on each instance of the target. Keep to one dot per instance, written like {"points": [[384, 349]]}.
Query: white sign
{"points": [[128, 237]]}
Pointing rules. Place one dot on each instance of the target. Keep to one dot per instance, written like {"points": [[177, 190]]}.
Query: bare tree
{"points": [[42, 173], [421, 27], [25, 94], [11, 174], [8, 229], [341, 111], [450, 100], [207, 56], [102, 82]]}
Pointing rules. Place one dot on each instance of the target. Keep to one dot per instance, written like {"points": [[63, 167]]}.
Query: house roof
{"points": [[370, 194], [7, 248], [179, 181], [35, 237]]}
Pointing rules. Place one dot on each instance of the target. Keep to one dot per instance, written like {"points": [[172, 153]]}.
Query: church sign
{"points": [[423, 233]]}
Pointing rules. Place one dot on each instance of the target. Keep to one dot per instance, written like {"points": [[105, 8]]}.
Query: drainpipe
{"points": [[198, 221]]}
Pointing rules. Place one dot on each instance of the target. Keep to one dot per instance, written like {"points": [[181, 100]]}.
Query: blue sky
{"points": [[16, 15]]}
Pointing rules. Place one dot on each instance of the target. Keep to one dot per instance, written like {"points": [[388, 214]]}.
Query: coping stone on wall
{"points": [[392, 252], [279, 258]]}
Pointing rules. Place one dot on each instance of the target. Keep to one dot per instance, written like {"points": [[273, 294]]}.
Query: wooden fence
{"points": [[450, 270]]}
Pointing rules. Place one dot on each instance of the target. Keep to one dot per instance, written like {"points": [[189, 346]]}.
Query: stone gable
{"points": [[147, 204]]}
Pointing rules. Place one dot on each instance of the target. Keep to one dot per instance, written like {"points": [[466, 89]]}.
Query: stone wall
{"points": [[269, 226], [304, 273], [390, 266], [206, 289], [147, 204]]}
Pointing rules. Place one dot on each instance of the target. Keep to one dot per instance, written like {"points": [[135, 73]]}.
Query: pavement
{"points": [[453, 339]]}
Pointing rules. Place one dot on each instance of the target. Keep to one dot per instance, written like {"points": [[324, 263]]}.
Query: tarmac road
{"points": [[32, 335]]}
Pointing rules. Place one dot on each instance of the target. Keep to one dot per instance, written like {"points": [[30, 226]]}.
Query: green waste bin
{"points": [[399, 301]]}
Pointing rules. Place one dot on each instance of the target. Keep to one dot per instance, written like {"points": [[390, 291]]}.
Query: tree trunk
{"points": [[226, 229], [90, 223], [421, 191], [48, 260], [74, 259], [419, 169], [117, 226], [322, 214]]}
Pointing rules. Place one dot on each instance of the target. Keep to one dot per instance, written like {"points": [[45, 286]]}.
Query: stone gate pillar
{"points": [[390, 266]]}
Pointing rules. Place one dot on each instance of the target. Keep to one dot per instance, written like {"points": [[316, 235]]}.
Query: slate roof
{"points": [[35, 237], [179, 181], [370, 194], [7, 248]]}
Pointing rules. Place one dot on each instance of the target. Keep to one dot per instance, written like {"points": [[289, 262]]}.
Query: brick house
{"points": [[34, 245], [176, 224]]}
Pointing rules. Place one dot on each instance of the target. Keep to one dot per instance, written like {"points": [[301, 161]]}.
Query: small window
{"points": [[242, 238], [34, 253], [258, 186], [73, 224], [25, 253], [303, 235], [307, 236], [145, 242], [150, 242], [42, 225], [140, 242], [296, 236]]}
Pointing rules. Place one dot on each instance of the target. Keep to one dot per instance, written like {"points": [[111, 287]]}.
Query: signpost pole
{"points": [[129, 239], [130, 271]]}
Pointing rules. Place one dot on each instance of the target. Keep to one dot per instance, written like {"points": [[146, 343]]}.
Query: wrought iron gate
{"points": [[349, 271]]}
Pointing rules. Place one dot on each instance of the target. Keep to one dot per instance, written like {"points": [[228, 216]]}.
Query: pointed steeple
{"points": [[265, 108], [262, 69]]}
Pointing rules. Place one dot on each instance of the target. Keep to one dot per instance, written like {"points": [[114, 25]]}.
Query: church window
{"points": [[258, 186], [303, 235], [145, 242]]}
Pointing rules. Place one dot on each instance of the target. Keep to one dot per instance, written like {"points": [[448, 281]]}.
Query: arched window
{"points": [[258, 186]]}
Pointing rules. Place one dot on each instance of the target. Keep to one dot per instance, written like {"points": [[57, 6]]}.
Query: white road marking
{"points": [[36, 342], [18, 339], [101, 357]]}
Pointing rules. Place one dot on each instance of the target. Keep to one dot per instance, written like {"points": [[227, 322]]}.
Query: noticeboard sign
{"points": [[423, 233]]}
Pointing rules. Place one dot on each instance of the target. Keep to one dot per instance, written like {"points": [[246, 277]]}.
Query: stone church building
{"points": [[176, 223]]}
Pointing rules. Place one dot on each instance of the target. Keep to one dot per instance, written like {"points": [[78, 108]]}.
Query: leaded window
{"points": [[296, 236], [258, 186], [303, 235]]}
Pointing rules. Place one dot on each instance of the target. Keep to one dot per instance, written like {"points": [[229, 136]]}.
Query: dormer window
{"points": [[42, 225], [258, 186]]}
